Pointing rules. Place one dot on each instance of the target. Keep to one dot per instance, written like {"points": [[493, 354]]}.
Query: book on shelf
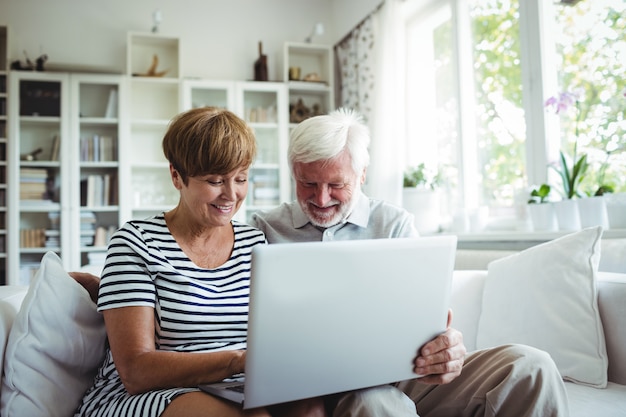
{"points": [[111, 110], [97, 148], [54, 151], [98, 190], [32, 238]]}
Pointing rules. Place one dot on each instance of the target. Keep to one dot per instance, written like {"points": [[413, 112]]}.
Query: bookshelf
{"points": [[313, 86], [97, 124], [153, 101], [38, 176], [4, 97], [259, 104]]}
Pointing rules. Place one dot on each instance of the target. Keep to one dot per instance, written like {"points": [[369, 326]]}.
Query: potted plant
{"points": [[420, 197], [540, 210], [571, 170]]}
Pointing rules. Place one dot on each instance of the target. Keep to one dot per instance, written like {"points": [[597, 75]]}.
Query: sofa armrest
{"points": [[611, 296], [11, 297]]}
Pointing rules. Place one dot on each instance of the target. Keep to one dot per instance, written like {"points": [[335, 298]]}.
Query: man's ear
{"points": [[363, 176]]}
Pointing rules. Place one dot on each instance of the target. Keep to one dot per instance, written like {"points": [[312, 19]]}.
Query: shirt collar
{"points": [[359, 216]]}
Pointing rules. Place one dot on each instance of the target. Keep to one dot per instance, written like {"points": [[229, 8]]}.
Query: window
{"points": [[479, 72], [590, 39]]}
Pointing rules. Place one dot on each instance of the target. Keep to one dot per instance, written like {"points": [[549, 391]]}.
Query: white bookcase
{"points": [[64, 168], [315, 62], [259, 104], [39, 171], [4, 103], [98, 121], [101, 161], [153, 100]]}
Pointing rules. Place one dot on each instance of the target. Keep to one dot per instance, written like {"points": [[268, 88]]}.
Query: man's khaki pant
{"points": [[507, 381]]}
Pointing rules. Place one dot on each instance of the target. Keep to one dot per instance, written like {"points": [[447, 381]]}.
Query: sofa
{"points": [[583, 323]]}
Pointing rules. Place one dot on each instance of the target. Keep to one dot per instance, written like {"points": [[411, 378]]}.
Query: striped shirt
{"points": [[195, 309]]}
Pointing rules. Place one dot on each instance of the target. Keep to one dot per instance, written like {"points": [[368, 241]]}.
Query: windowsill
{"points": [[518, 240]]}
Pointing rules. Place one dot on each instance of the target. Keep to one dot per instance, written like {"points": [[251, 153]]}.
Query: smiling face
{"points": [[212, 200], [327, 190]]}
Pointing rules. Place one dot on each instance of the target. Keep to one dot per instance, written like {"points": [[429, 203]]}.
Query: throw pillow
{"points": [[546, 297], [55, 347]]}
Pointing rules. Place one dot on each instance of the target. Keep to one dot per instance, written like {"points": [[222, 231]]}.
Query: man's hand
{"points": [[441, 359]]}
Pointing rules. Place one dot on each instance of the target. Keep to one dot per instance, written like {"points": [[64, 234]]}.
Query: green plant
{"points": [[539, 195], [420, 176], [571, 176]]}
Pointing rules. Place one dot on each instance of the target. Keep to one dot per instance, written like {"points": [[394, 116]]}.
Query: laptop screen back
{"points": [[328, 317]]}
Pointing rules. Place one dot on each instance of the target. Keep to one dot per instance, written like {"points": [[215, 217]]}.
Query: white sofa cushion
{"points": [[546, 297], [55, 346], [10, 302]]}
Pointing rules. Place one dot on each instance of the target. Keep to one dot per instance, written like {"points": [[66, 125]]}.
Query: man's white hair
{"points": [[322, 138]]}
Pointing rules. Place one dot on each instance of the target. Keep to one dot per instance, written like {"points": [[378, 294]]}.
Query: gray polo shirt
{"points": [[370, 219]]}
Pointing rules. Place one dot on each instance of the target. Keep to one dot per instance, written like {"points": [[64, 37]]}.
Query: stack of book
{"points": [[33, 183], [87, 228]]}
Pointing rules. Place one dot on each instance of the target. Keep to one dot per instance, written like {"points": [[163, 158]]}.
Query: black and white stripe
{"points": [[195, 309]]}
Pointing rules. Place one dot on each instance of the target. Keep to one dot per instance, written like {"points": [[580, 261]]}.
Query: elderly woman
{"points": [[174, 290]]}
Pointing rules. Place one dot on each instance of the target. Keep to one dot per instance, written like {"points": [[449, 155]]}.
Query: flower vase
{"points": [[593, 212], [542, 216], [616, 210], [567, 214], [423, 203]]}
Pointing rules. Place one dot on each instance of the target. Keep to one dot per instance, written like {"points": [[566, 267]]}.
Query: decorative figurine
{"points": [[152, 71]]}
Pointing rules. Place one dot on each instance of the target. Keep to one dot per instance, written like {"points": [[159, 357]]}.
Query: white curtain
{"points": [[371, 77]]}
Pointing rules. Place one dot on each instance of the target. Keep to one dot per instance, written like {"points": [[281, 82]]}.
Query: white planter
{"points": [[593, 212], [542, 216], [425, 207], [616, 210], [567, 214]]}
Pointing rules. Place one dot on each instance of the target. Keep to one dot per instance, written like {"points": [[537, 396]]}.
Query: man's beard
{"points": [[328, 220]]}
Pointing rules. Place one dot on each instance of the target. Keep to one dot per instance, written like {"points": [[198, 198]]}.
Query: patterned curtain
{"points": [[370, 79], [354, 57]]}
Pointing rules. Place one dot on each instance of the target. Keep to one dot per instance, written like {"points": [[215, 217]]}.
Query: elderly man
{"points": [[328, 156]]}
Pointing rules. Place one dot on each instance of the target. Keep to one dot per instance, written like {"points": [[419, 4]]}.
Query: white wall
{"points": [[346, 14], [219, 38]]}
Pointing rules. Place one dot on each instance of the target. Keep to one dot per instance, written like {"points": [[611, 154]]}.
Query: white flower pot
{"points": [[425, 207], [567, 214], [542, 216], [593, 212], [616, 210]]}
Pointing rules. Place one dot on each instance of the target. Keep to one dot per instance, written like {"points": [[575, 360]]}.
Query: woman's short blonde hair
{"points": [[208, 140]]}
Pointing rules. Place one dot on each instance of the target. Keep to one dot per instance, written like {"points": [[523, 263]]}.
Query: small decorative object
{"points": [[41, 61], [299, 112], [17, 65], [312, 77], [157, 18], [31, 156], [260, 66], [294, 73], [318, 29], [152, 71]]}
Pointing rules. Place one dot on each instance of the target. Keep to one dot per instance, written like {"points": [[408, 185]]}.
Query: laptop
{"points": [[329, 317]]}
